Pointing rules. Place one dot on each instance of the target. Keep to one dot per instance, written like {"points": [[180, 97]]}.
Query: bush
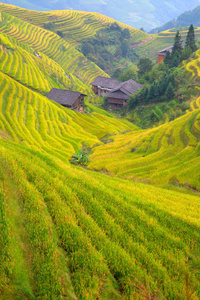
{"points": [[82, 156]]}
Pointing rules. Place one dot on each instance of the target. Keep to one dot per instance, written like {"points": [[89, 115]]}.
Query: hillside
{"points": [[175, 145], [161, 41], [125, 226], [105, 35], [50, 207], [147, 14], [184, 20], [51, 45]]}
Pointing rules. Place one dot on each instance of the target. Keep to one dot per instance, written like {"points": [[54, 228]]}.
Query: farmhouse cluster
{"points": [[116, 92]]}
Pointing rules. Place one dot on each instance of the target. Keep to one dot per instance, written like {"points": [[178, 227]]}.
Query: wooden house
{"points": [[161, 54], [71, 99], [119, 96], [103, 85]]}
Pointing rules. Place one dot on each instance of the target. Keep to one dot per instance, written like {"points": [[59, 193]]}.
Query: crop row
{"points": [[142, 232], [75, 25], [30, 118], [157, 155], [53, 46]]}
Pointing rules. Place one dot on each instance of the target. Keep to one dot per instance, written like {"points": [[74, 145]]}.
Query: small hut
{"points": [[70, 99]]}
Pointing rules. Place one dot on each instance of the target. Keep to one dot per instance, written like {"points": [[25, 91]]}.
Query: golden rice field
{"points": [[170, 33], [166, 154], [71, 233], [75, 25], [50, 44]]}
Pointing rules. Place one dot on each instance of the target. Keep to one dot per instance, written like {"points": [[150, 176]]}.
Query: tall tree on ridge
{"points": [[190, 39], [177, 43]]}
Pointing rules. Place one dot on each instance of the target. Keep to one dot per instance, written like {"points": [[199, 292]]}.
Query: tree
{"points": [[177, 44], [87, 48], [130, 73], [144, 65], [169, 91], [156, 90], [116, 73], [151, 94], [132, 101], [176, 59], [125, 48], [60, 33], [167, 59], [187, 51], [190, 39]]}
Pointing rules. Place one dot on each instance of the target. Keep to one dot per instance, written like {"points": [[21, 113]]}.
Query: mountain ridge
{"points": [[130, 12]]}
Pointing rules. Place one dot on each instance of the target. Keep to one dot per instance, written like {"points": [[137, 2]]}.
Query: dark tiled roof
{"points": [[117, 95], [63, 97], [163, 52], [125, 89], [105, 82]]}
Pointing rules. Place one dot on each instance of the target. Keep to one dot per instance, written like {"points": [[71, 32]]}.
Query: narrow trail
{"points": [[143, 42], [121, 66]]}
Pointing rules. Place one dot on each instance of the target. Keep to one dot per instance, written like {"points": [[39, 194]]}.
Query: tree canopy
{"points": [[144, 65], [190, 39], [177, 43]]}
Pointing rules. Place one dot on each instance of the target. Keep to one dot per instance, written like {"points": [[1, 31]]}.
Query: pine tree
{"points": [[187, 51], [151, 94], [156, 90], [176, 59], [167, 59], [177, 44], [190, 39], [169, 91]]}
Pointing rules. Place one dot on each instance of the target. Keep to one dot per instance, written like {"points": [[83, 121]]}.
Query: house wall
{"points": [[160, 58], [95, 89], [79, 102], [117, 102]]}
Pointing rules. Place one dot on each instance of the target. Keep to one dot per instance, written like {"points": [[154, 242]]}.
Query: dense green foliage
{"points": [[109, 47]]}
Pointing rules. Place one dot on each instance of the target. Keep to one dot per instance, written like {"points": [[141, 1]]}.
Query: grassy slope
{"points": [[70, 233], [52, 46], [165, 154], [75, 25], [160, 41], [138, 14]]}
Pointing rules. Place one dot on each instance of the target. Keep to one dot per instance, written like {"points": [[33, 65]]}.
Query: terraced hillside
{"points": [[161, 155], [35, 69], [61, 237], [161, 41], [93, 247], [75, 25], [32, 119], [71, 233], [167, 154], [51, 45]]}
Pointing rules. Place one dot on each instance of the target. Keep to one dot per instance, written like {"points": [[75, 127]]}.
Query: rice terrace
{"points": [[93, 206]]}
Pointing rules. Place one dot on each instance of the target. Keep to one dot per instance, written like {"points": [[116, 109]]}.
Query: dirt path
{"points": [[143, 42], [126, 63]]}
